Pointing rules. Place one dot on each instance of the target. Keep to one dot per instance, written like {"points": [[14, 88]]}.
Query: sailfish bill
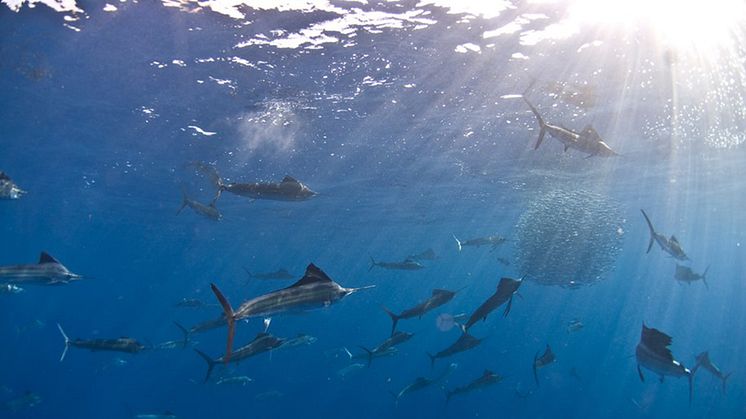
{"points": [[315, 290]]}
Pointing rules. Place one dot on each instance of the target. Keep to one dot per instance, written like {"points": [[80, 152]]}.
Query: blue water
{"points": [[408, 141]]}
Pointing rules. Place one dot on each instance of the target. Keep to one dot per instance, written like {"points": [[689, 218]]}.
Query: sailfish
{"points": [[314, 290], [653, 353]]}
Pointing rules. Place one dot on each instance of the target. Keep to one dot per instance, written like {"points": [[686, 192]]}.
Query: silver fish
{"points": [[8, 189], [49, 271], [652, 352], [670, 246], [314, 290]]}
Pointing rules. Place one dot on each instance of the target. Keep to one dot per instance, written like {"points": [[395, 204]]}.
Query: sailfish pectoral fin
{"points": [[229, 317], [507, 308], [542, 133], [639, 372]]}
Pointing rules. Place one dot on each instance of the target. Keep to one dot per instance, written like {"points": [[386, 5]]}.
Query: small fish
{"points": [[299, 341], [207, 211], [48, 271], [8, 188], [193, 303], [263, 342], [10, 289], [703, 360], [574, 325], [685, 274], [173, 344], [29, 399], [165, 415], [395, 339], [281, 273], [437, 298], [652, 352], [391, 351], [240, 379], [540, 361], [503, 261], [289, 189], [428, 254], [123, 344], [463, 343], [422, 382], [670, 246], [493, 241], [268, 395], [405, 265], [488, 378], [350, 369], [506, 288]]}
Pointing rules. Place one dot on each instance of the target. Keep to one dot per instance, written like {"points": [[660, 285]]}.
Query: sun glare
{"points": [[680, 24]]}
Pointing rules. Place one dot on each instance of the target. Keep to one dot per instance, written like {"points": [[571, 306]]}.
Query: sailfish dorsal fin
{"points": [[313, 275], [657, 342], [674, 239], [289, 179], [47, 258], [3, 176]]}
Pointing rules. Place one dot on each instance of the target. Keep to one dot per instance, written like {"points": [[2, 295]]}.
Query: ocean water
{"points": [[405, 117]]}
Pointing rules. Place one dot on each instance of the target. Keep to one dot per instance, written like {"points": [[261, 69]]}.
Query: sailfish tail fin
{"points": [[725, 381], [67, 342], [210, 363], [394, 319], [229, 317], [458, 242]]}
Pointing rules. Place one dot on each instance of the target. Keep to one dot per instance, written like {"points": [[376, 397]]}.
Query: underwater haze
{"points": [[157, 147]]}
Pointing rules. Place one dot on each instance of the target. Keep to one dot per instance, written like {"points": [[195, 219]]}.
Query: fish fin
{"points": [[372, 263], [542, 133], [369, 352], [458, 242], [45, 257], [690, 389], [347, 351], [652, 231], [432, 359], [185, 332], [289, 179], [394, 319], [210, 363], [725, 381], [229, 317], [183, 201], [507, 308], [312, 275], [639, 372], [67, 342]]}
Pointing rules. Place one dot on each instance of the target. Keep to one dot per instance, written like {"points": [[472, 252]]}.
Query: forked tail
{"points": [[432, 359], [652, 231], [394, 319], [367, 352], [67, 342], [725, 381], [372, 263], [704, 277], [540, 120], [210, 363], [186, 334], [230, 319]]}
